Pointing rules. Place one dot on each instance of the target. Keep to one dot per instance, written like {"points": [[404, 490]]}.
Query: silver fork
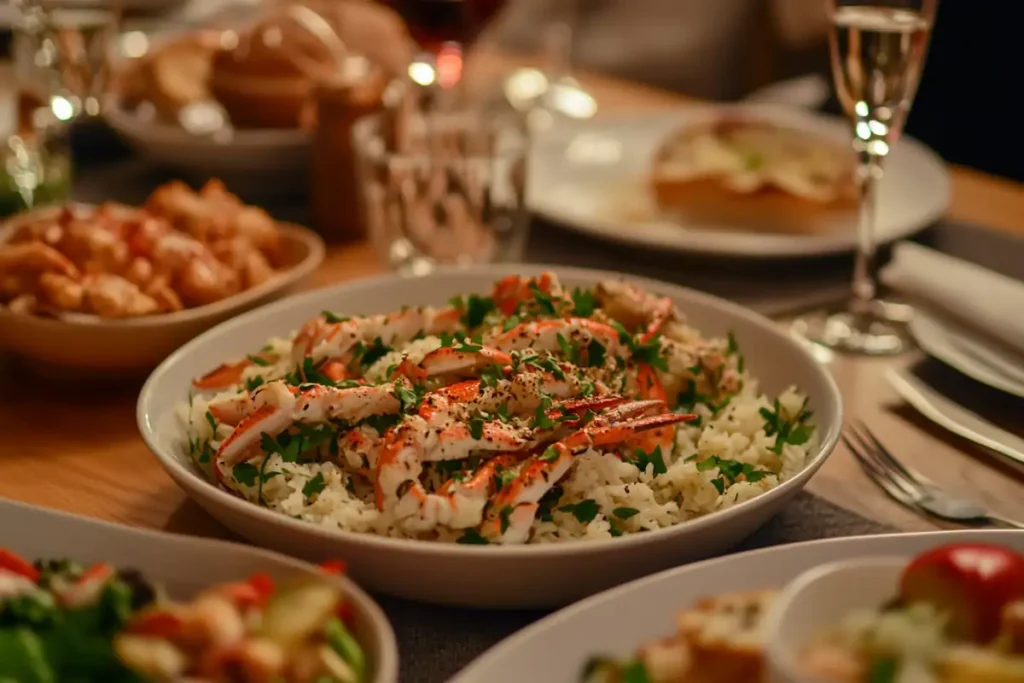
{"points": [[911, 488]]}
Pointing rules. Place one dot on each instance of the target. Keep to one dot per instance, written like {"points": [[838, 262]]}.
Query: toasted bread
{"points": [[753, 175], [719, 640]]}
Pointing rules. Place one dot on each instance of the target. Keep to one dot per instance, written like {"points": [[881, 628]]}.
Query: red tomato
{"points": [[333, 566], [972, 583], [263, 584], [17, 565], [158, 623]]}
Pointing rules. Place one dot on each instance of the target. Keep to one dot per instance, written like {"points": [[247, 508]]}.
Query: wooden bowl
{"points": [[88, 347]]}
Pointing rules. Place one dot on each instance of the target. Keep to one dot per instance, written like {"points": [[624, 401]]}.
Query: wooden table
{"points": [[77, 449]]}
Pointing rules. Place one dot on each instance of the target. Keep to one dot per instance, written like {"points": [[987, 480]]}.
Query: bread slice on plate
{"points": [[754, 174], [718, 640]]}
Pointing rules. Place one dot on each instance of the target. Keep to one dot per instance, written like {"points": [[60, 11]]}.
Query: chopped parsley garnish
{"points": [[795, 431], [503, 477], [256, 360], [382, 423], [647, 352], [472, 537], [548, 502], [474, 309], [733, 349], [374, 352], [409, 397], [625, 513], [635, 672], [584, 511], [292, 446], [510, 322], [491, 375], [729, 471], [253, 383], [883, 670], [212, 422], [550, 454], [540, 416], [245, 473], [584, 303], [641, 459], [314, 486], [476, 428], [544, 302], [596, 353], [467, 347], [333, 318], [505, 517], [309, 373]]}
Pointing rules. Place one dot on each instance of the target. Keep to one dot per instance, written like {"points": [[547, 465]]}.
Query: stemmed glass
{"points": [[878, 49], [552, 91]]}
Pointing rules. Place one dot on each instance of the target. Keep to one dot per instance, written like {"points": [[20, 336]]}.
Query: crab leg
{"points": [[511, 512], [278, 407]]}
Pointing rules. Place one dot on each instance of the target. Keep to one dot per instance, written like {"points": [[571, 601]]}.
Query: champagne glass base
{"points": [[866, 333]]}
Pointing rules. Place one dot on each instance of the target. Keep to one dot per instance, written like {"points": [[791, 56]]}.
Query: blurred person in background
{"points": [[711, 49]]}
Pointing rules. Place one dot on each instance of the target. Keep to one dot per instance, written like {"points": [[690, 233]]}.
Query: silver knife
{"points": [[956, 418]]}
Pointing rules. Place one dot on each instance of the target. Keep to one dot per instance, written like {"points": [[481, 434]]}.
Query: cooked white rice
{"points": [[628, 499]]}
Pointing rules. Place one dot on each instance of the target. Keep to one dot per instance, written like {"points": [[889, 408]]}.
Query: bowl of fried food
{"points": [[110, 290]]}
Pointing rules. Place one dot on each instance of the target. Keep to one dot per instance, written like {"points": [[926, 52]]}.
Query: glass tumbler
{"points": [[443, 187]]}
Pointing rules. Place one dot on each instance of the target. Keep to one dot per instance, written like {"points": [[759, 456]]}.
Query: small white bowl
{"points": [[183, 565], [819, 600], [88, 346]]}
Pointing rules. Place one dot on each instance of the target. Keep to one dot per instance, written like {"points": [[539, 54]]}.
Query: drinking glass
{"points": [[443, 187], [878, 49], [551, 93]]}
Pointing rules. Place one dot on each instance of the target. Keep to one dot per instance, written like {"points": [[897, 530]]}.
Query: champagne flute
{"points": [[878, 49]]}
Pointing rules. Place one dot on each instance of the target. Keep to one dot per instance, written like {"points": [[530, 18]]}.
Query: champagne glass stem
{"points": [[865, 288]]}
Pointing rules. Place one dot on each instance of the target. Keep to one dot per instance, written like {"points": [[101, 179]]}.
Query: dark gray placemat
{"points": [[436, 642]]}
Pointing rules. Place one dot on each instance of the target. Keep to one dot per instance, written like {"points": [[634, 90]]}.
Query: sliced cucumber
{"points": [[346, 645], [298, 610]]}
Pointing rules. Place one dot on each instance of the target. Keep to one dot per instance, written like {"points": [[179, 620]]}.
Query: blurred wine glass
{"points": [[443, 29], [65, 50], [551, 92]]}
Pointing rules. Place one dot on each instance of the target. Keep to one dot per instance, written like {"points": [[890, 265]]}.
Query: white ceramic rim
{"points": [[301, 270], [386, 669], [513, 642], [775, 246], [780, 656], [180, 471], [923, 325]]}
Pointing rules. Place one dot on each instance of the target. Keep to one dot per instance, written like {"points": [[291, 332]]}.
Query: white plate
{"points": [[590, 177], [183, 565], [248, 161], [520, 576], [615, 623], [966, 352]]}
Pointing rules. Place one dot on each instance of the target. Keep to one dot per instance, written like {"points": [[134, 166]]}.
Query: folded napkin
{"points": [[987, 302]]}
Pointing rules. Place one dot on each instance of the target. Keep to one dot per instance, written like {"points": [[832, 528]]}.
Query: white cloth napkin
{"points": [[990, 303]]}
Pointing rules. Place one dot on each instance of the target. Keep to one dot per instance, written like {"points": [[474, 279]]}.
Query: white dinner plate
{"points": [[959, 348], [183, 565], [491, 576], [590, 177], [615, 623]]}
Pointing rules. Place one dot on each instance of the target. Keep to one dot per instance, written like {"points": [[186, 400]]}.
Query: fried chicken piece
{"points": [[111, 296], [61, 291]]}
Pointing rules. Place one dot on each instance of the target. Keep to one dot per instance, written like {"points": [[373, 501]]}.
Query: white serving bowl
{"points": [[483, 576], [88, 346], [183, 565], [819, 600]]}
